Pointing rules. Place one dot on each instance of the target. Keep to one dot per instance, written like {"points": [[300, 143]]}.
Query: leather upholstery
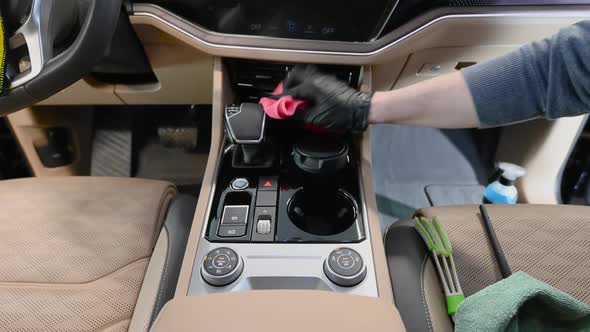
{"points": [[550, 242], [74, 250], [279, 310]]}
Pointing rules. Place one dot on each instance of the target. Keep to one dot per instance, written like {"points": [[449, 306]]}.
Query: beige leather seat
{"points": [[88, 254], [549, 242]]}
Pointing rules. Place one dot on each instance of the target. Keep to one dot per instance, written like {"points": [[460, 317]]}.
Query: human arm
{"points": [[548, 78], [442, 102]]}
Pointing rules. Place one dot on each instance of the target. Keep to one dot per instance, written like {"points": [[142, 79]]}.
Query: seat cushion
{"points": [[549, 242], [74, 250]]}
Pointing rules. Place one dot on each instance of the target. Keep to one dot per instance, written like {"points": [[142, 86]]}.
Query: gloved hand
{"points": [[331, 103]]}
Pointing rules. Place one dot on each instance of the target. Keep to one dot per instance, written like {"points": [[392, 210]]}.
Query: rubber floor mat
{"points": [[112, 144]]}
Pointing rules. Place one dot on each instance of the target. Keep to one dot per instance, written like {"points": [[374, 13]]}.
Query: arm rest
{"points": [[283, 310]]}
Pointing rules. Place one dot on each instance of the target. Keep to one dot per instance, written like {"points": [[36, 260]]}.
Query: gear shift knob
{"points": [[245, 126], [245, 123]]}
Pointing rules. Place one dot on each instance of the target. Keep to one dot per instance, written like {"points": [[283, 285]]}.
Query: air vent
{"points": [[253, 79]]}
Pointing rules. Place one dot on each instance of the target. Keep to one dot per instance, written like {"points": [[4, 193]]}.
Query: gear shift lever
{"points": [[245, 126]]}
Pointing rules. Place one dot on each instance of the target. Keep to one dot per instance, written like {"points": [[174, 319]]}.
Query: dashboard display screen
{"points": [[336, 20]]}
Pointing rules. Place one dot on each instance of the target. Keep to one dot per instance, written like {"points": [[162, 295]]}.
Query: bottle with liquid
{"points": [[503, 191]]}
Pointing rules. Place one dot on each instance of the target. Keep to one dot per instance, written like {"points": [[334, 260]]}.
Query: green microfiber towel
{"points": [[3, 44], [521, 303]]}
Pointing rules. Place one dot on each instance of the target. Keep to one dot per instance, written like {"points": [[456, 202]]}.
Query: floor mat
{"points": [[448, 194], [112, 144], [407, 160]]}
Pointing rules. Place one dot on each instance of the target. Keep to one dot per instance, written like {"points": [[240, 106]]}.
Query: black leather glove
{"points": [[332, 104]]}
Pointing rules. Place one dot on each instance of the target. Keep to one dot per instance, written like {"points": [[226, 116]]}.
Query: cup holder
{"points": [[322, 214]]}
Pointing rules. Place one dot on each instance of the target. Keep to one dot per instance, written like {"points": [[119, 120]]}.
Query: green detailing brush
{"points": [[438, 243]]}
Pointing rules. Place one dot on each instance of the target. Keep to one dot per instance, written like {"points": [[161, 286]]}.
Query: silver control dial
{"points": [[221, 267], [345, 267]]}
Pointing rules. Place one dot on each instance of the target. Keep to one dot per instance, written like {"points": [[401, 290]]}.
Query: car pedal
{"points": [[179, 137]]}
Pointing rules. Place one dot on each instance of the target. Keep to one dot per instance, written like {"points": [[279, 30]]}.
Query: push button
{"points": [[235, 215], [266, 198], [269, 183], [240, 184], [231, 231]]}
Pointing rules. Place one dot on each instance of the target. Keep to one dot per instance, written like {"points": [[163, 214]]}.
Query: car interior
{"points": [[144, 188]]}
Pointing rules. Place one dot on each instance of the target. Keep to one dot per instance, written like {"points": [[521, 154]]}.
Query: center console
{"points": [[287, 210]]}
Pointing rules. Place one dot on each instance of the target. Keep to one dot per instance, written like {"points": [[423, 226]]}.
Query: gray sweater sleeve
{"points": [[549, 78]]}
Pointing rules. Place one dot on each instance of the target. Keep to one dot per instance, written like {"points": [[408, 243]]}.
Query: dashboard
{"points": [[337, 20], [323, 20]]}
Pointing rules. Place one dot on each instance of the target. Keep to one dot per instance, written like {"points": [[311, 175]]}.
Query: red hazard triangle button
{"points": [[268, 183]]}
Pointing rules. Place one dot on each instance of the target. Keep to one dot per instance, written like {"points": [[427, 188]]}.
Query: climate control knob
{"points": [[221, 267], [345, 267]]}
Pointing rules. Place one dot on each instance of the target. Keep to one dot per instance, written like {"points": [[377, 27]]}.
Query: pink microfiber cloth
{"points": [[282, 108]]}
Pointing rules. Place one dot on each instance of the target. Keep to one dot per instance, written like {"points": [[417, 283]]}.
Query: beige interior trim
{"points": [[517, 27], [184, 73], [287, 311], [85, 92], [146, 300], [184, 77], [543, 148], [222, 95], [377, 246], [28, 126], [419, 64], [385, 75]]}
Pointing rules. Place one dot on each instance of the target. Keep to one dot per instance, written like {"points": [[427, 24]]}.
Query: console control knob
{"points": [[345, 267], [263, 226], [221, 267]]}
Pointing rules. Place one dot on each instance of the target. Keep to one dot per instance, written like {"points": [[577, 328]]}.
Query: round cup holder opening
{"points": [[323, 215]]}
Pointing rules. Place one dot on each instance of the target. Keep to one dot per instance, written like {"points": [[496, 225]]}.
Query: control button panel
{"points": [[221, 267], [240, 184], [345, 267], [234, 221]]}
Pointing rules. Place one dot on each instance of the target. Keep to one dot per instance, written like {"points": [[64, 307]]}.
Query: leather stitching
{"points": [[426, 311]]}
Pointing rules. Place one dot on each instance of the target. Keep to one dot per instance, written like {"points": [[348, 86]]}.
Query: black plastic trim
{"points": [[177, 226], [407, 257]]}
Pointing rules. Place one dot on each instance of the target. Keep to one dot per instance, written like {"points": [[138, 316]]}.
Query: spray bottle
{"points": [[503, 191]]}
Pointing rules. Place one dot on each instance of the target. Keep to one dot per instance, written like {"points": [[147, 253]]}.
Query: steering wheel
{"points": [[40, 25]]}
